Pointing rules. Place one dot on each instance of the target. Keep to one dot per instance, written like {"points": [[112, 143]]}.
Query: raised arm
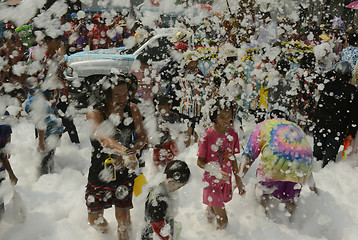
{"points": [[141, 135]]}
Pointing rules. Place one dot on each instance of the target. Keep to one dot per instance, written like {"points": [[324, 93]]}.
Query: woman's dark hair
{"points": [[115, 80], [132, 84], [102, 92], [221, 104], [178, 171], [220, 76]]}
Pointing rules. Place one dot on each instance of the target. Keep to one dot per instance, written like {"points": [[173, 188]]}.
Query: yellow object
{"points": [[109, 163], [263, 97], [325, 37], [139, 181]]}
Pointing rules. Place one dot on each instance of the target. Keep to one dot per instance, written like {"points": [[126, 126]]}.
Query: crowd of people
{"points": [[294, 80]]}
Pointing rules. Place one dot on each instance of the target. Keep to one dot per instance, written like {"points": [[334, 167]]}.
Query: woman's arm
{"points": [[201, 162], [141, 135]]}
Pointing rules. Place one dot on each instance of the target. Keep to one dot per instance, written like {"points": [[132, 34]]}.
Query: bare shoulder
{"points": [[134, 109], [95, 115]]}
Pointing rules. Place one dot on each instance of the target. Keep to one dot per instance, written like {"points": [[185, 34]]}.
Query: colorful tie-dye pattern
{"points": [[286, 153]]}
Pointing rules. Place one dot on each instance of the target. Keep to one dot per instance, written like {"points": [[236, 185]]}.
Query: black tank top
{"points": [[125, 135]]}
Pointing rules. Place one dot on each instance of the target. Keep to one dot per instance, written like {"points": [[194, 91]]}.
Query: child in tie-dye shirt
{"points": [[286, 160]]}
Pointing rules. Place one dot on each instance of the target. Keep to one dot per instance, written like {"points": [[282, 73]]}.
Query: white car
{"points": [[85, 68]]}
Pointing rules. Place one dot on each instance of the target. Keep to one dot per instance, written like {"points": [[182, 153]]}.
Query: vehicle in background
{"points": [[87, 67]]}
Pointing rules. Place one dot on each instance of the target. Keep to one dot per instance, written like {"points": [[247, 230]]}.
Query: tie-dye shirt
{"points": [[286, 153]]}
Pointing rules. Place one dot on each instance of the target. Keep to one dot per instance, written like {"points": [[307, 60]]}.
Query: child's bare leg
{"points": [[221, 217], [290, 207], [124, 224], [98, 222], [265, 203], [210, 214]]}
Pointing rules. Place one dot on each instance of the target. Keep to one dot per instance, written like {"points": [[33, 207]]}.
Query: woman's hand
{"points": [[118, 162], [130, 161]]}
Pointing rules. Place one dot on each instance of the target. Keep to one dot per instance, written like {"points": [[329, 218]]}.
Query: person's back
{"points": [[335, 105], [286, 152], [336, 116]]}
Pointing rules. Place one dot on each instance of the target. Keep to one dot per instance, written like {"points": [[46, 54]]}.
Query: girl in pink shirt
{"points": [[216, 155]]}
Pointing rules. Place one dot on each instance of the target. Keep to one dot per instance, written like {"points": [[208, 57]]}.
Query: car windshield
{"points": [[137, 46]]}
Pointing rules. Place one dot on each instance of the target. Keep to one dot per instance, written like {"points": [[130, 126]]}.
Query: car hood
{"points": [[114, 54]]}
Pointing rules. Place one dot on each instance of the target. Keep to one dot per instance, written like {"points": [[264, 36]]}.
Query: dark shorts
{"points": [[99, 198], [282, 190]]}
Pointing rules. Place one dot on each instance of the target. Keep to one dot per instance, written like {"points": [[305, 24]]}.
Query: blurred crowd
{"points": [[306, 70]]}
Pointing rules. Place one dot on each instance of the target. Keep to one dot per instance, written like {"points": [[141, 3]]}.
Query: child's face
{"points": [[223, 119]]}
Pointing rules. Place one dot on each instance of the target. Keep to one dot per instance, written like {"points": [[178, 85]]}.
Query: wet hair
{"points": [[277, 113], [48, 38], [114, 80], [132, 83], [221, 104], [144, 59], [161, 99], [283, 66], [101, 91], [178, 171], [308, 61]]}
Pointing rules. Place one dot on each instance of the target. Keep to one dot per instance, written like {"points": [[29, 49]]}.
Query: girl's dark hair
{"points": [[221, 104], [103, 91], [178, 171]]}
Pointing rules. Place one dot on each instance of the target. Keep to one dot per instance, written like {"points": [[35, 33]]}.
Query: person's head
{"points": [[343, 71], [352, 39], [279, 112], [191, 59], [177, 173], [53, 44], [283, 66], [116, 91], [308, 61], [144, 61], [97, 19], [220, 77], [163, 104], [222, 113]]}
